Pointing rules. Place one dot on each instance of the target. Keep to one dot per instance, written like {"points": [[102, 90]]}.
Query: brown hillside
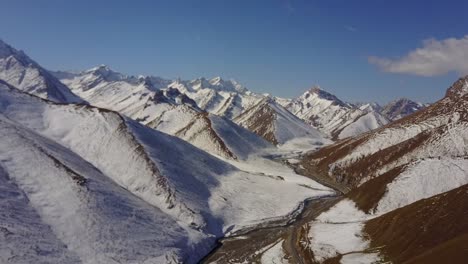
{"points": [[425, 231]]}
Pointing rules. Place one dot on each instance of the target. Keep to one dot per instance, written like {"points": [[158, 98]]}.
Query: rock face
{"points": [[17, 69], [401, 108]]}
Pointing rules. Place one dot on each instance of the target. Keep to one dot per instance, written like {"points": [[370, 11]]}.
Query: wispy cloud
{"points": [[350, 28], [435, 57]]}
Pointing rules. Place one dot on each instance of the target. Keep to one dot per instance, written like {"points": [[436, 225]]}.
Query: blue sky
{"points": [[276, 46]]}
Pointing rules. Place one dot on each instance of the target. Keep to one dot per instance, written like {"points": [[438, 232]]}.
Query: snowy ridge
{"points": [[362, 124], [221, 137], [97, 135], [165, 109], [274, 123], [17, 69], [91, 215], [401, 108], [132, 96], [424, 179], [217, 96]]}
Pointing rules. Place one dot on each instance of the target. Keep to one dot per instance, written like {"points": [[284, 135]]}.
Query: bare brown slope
{"points": [[368, 195], [452, 251], [207, 128], [433, 227], [259, 119]]}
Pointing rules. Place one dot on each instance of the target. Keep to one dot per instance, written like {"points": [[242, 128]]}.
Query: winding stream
{"points": [[248, 247]]}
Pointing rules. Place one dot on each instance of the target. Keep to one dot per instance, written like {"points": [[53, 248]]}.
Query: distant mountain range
{"points": [[316, 107]]}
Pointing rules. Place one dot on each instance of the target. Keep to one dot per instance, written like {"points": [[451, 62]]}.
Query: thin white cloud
{"points": [[350, 28], [434, 58]]}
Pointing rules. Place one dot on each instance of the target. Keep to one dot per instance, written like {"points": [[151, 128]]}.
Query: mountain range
{"points": [[101, 167]]}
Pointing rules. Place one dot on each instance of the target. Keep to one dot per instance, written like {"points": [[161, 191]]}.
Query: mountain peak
{"points": [[459, 88], [401, 107], [216, 80], [369, 106], [105, 72], [100, 69], [5, 49], [321, 93]]}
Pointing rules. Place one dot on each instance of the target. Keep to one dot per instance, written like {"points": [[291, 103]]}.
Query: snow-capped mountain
{"points": [[271, 121], [97, 187], [401, 108], [17, 69], [133, 96], [217, 96], [222, 137], [406, 180], [332, 116], [156, 103], [102, 167]]}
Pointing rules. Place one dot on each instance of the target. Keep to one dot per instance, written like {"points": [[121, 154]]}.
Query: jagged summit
{"points": [[229, 85], [17, 69], [108, 74], [400, 108], [323, 94], [333, 116], [459, 88], [369, 106], [216, 83]]}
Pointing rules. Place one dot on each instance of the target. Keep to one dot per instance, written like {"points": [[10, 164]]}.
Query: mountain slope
{"points": [[17, 69], [436, 131], [166, 199], [25, 237], [274, 123], [404, 204], [406, 238], [96, 220], [222, 137]]}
